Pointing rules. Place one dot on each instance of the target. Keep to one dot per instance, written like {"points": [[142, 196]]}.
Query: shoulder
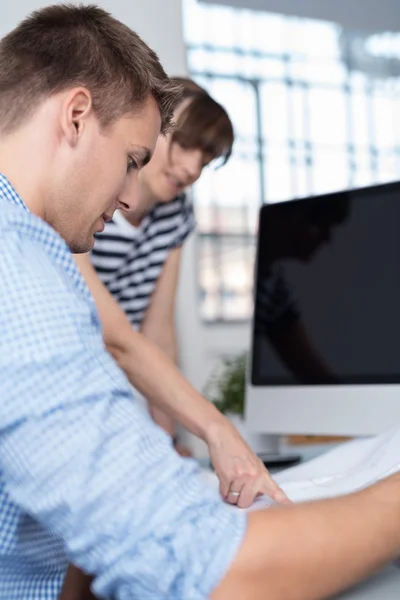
{"points": [[45, 309], [178, 213], [17, 223], [175, 218], [22, 235], [14, 219], [35, 260]]}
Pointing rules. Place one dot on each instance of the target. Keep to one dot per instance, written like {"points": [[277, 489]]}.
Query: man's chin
{"points": [[81, 248]]}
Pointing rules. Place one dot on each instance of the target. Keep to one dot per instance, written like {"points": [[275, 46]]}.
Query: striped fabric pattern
{"points": [[129, 260]]}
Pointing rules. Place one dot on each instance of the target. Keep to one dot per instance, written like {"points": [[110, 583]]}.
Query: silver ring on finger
{"points": [[234, 494]]}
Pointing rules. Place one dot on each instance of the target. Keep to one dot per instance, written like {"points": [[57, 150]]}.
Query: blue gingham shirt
{"points": [[85, 475]]}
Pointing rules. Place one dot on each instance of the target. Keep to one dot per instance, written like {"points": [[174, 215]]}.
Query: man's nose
{"points": [[128, 199]]}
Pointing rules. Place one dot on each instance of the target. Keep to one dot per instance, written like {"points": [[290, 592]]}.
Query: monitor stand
{"points": [[269, 449]]}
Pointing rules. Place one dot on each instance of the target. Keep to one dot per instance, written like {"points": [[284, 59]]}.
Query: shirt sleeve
{"points": [[275, 307], [187, 222], [79, 455]]}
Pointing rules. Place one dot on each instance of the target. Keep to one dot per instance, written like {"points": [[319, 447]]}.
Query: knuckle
{"points": [[252, 473]]}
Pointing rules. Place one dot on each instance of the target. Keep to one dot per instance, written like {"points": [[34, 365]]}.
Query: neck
{"points": [[27, 156], [23, 169], [146, 202]]}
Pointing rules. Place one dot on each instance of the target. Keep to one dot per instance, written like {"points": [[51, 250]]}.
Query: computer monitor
{"points": [[325, 347]]}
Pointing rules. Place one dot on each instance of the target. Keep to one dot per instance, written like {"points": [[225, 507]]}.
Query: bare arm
{"points": [[148, 368], [309, 551], [159, 324], [312, 551], [157, 378]]}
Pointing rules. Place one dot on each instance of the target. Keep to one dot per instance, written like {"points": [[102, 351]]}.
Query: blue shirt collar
{"points": [[9, 193]]}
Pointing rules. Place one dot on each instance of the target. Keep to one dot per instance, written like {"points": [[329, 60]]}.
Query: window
{"points": [[315, 108]]}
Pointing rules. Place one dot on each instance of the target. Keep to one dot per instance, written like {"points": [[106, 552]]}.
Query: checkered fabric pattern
{"points": [[85, 475]]}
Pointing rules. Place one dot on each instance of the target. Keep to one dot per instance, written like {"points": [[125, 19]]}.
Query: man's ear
{"points": [[75, 111]]}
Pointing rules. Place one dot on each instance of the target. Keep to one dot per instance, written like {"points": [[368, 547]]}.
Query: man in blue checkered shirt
{"points": [[85, 474]]}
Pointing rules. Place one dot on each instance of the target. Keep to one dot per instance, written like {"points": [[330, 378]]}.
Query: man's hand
{"points": [[241, 473]]}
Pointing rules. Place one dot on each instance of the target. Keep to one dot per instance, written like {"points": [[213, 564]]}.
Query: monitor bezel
{"points": [[353, 408]]}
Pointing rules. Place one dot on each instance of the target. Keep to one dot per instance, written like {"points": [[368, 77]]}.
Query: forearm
{"points": [[312, 551], [149, 370], [165, 339], [166, 389], [163, 420]]}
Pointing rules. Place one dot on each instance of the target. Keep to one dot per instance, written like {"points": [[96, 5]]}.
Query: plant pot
{"points": [[258, 442]]}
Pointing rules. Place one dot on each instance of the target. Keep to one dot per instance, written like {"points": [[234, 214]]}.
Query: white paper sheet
{"points": [[350, 467]]}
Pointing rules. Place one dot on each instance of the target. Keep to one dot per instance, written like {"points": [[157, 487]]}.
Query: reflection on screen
{"points": [[327, 297]]}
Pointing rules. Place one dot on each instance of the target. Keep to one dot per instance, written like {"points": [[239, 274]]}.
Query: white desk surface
{"points": [[383, 586]]}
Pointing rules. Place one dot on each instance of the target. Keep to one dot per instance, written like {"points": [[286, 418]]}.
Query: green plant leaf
{"points": [[227, 384]]}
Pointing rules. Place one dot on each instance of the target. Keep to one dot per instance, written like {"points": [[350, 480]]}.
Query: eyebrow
{"points": [[145, 155]]}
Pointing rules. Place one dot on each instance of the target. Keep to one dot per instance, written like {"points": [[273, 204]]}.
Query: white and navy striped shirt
{"points": [[129, 259]]}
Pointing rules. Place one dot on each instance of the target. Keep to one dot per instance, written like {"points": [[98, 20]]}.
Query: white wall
{"points": [[201, 345], [158, 22], [359, 14]]}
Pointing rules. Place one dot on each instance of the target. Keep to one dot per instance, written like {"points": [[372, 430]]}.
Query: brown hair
{"points": [[204, 123], [62, 46]]}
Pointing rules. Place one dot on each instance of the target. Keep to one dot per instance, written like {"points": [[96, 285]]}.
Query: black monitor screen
{"points": [[327, 293]]}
